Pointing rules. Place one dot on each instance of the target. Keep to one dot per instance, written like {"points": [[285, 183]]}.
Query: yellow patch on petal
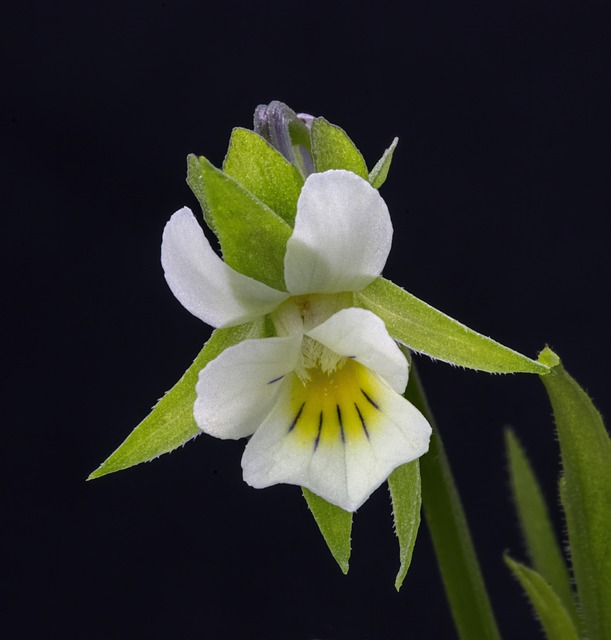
{"points": [[334, 407]]}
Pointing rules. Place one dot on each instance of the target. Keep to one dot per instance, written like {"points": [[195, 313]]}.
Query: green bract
{"points": [[379, 173], [335, 525], [252, 236], [255, 165], [333, 149], [426, 330], [171, 422], [404, 484]]}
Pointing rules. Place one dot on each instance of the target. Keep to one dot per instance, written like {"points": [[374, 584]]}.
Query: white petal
{"points": [[342, 235], [236, 390], [362, 335], [203, 283], [344, 456]]}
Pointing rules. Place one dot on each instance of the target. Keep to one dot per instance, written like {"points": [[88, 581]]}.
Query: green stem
{"points": [[460, 571]]}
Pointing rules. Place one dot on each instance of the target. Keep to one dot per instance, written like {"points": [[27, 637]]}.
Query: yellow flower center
{"points": [[334, 407]]}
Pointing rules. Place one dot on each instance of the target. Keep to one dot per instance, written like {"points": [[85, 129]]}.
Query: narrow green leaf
{"points": [[555, 620], [426, 330], [378, 175], [404, 484], [445, 517], [335, 524], [253, 238], [541, 542], [171, 422], [259, 168], [585, 450], [333, 149]]}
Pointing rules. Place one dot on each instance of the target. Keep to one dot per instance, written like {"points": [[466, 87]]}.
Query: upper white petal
{"points": [[203, 283], [237, 389], [346, 471], [342, 235], [360, 334]]}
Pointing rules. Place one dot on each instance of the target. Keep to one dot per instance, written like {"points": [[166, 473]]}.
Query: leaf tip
{"points": [[510, 563], [548, 358], [399, 579], [192, 161], [510, 437], [97, 473]]}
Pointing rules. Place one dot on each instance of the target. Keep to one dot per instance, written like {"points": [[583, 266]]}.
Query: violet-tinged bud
{"points": [[287, 132]]}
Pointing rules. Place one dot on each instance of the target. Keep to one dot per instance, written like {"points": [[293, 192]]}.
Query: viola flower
{"points": [[321, 399]]}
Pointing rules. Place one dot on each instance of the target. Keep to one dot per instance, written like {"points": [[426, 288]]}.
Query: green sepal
{"points": [[252, 237], [335, 524], [541, 542], [171, 422], [585, 451], [333, 149], [378, 175], [422, 328], [259, 168], [404, 485], [554, 618]]}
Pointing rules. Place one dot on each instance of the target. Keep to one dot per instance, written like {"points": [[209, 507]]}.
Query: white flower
{"points": [[321, 400]]}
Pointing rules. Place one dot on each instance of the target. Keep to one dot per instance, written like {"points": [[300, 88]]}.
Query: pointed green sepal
{"points": [[171, 422], [252, 237], [378, 175], [335, 524], [585, 450], [259, 168], [548, 607], [333, 149], [541, 542], [404, 485], [422, 328]]}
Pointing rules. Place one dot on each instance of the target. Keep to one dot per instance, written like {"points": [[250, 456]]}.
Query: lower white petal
{"points": [[236, 390], [340, 435]]}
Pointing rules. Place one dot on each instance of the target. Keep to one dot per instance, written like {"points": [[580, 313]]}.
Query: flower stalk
{"points": [[445, 517]]}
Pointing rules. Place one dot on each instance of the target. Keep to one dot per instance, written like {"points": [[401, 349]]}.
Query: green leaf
{"points": [[253, 238], [335, 524], [541, 543], [555, 620], [445, 517], [585, 450], [426, 330], [378, 175], [260, 169], [404, 484], [333, 149], [171, 422]]}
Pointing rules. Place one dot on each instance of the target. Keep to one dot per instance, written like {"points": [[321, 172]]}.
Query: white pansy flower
{"points": [[322, 400]]}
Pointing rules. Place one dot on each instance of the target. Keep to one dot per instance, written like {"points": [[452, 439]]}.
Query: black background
{"points": [[499, 196]]}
